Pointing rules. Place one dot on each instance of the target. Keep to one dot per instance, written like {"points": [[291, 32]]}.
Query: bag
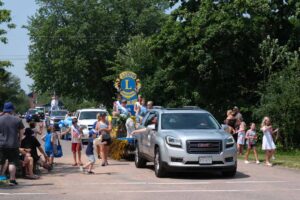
{"points": [[58, 153]]}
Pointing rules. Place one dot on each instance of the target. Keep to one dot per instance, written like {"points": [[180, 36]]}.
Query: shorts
{"points": [[49, 153], [108, 141], [10, 154], [91, 158], [251, 145], [76, 147], [97, 141]]}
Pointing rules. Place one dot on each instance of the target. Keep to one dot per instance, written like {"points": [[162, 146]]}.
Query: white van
{"points": [[86, 119]]}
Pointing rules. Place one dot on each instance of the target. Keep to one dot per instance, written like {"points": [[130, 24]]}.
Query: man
{"points": [[149, 105], [237, 114], [11, 131], [122, 110]]}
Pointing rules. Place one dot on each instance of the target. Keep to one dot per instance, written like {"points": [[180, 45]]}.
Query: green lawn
{"points": [[289, 159]]}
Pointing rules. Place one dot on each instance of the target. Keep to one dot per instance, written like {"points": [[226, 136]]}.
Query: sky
{"points": [[16, 50]]}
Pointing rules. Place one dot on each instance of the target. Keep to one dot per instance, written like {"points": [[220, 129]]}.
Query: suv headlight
{"points": [[230, 142], [174, 142]]}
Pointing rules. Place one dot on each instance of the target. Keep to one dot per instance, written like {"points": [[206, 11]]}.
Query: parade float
{"points": [[128, 86]]}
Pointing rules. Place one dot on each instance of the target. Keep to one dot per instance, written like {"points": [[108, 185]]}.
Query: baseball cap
{"points": [[8, 107]]}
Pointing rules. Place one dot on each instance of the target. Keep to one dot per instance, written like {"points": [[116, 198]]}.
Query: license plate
{"points": [[205, 160]]}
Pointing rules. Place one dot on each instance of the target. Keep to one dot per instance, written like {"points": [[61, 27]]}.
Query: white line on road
{"points": [[6, 194], [239, 182], [182, 191], [183, 183], [149, 183]]}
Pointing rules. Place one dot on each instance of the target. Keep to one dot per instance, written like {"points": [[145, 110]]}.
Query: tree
{"points": [[74, 43], [207, 52], [280, 92], [10, 89]]}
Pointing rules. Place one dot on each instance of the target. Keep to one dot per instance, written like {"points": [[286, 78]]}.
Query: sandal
{"points": [[32, 177]]}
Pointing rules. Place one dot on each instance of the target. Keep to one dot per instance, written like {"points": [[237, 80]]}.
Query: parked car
{"points": [[32, 115], [183, 140], [86, 119], [54, 117], [41, 112]]}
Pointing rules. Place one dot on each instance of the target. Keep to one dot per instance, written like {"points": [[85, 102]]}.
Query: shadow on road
{"points": [[203, 175]]}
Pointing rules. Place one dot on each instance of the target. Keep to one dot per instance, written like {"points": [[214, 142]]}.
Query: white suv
{"points": [[86, 119]]}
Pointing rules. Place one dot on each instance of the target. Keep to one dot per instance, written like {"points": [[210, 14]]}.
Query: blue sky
{"points": [[18, 41]]}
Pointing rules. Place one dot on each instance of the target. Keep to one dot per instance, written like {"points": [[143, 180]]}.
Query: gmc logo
{"points": [[204, 145]]}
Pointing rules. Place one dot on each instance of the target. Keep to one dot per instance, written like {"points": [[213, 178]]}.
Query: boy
{"points": [[90, 153]]}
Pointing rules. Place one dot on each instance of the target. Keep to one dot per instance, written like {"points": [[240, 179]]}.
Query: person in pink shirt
{"points": [[251, 137]]}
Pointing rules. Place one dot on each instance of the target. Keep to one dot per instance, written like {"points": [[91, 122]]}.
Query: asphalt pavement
{"points": [[121, 180]]}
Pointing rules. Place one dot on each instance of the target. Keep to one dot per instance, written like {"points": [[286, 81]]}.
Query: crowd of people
{"points": [[248, 138], [19, 146]]}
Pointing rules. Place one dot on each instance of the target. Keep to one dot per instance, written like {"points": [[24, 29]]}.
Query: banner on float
{"points": [[128, 85]]}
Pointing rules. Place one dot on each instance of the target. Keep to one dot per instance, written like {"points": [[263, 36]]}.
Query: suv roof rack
{"points": [[186, 108]]}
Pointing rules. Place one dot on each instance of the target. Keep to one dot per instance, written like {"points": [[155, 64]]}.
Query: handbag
{"points": [[58, 153]]}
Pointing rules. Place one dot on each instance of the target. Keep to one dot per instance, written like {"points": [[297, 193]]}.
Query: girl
{"points": [[241, 137], [251, 143], [267, 142], [49, 143]]}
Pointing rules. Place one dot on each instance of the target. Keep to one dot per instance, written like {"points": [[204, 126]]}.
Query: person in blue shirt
{"points": [[49, 143], [90, 153]]}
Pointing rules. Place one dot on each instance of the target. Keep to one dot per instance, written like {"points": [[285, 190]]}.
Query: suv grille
{"points": [[204, 146]]}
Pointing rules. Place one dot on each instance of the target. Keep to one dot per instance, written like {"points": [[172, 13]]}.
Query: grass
{"points": [[290, 159]]}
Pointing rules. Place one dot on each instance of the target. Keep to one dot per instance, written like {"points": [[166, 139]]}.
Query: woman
{"points": [[230, 121], [104, 128], [267, 142]]}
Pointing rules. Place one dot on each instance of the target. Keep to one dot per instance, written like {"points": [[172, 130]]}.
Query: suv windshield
{"points": [[188, 121], [31, 112], [88, 115], [58, 113]]}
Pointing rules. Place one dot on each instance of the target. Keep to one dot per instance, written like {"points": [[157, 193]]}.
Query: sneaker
{"points": [[246, 162], [81, 169], [269, 164], [13, 182], [257, 162], [273, 157]]}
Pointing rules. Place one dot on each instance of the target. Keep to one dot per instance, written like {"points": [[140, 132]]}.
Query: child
{"points": [[251, 143], [267, 141], [90, 153], [241, 137], [49, 144]]}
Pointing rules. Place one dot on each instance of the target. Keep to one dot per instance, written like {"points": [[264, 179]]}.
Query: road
{"points": [[121, 180]]}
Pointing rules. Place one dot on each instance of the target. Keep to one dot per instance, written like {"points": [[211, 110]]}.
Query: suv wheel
{"points": [[138, 160], [158, 166]]}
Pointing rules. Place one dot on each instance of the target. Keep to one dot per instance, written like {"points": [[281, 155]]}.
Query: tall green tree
{"points": [[208, 51], [10, 89], [280, 97], [75, 42]]}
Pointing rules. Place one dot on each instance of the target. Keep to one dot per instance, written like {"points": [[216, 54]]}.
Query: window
{"points": [[189, 121], [58, 113], [88, 115]]}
